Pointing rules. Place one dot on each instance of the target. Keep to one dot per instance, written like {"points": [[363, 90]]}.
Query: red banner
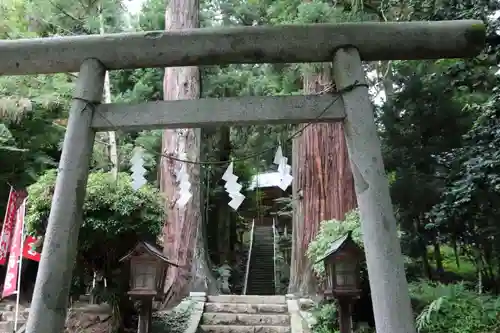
{"points": [[29, 248], [10, 285], [8, 223]]}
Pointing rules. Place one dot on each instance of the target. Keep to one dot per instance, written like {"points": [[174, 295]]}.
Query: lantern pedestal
{"points": [[345, 314], [145, 314], [148, 270]]}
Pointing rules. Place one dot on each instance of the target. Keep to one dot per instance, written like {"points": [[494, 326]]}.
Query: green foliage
{"points": [[326, 318], [174, 321], [329, 231], [30, 108], [461, 265], [424, 131], [223, 275], [115, 217], [283, 261], [468, 208], [63, 17], [33, 108], [453, 308]]}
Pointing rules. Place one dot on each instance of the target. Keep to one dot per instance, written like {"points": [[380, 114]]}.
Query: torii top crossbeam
{"points": [[262, 44]]}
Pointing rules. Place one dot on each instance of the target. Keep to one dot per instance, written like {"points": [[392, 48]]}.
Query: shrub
{"points": [[173, 321], [115, 217], [454, 309], [326, 318], [329, 231]]}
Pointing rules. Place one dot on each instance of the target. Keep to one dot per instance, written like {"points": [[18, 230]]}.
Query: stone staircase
{"points": [[261, 274], [245, 314]]}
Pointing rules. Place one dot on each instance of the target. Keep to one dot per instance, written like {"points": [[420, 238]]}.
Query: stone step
{"points": [[8, 326], [245, 308], [267, 288], [254, 299], [245, 319], [11, 315], [259, 279], [265, 284], [244, 329], [257, 283]]}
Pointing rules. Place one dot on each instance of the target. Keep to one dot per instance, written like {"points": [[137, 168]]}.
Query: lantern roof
{"points": [[153, 250], [338, 245]]}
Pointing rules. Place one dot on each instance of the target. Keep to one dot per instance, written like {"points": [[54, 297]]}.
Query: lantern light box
{"points": [[342, 267], [148, 270]]}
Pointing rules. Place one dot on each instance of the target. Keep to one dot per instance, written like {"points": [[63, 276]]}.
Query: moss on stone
{"points": [[476, 35]]}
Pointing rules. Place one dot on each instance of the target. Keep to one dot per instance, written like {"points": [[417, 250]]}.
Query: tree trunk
{"points": [[323, 184], [183, 230], [425, 260], [422, 245], [113, 149], [438, 257], [223, 212]]}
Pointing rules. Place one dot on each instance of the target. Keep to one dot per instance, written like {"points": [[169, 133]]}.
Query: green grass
{"points": [[466, 268]]}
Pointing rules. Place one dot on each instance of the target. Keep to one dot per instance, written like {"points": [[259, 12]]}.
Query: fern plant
{"points": [[455, 309]]}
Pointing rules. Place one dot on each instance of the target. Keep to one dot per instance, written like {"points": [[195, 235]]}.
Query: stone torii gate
{"points": [[346, 45]]}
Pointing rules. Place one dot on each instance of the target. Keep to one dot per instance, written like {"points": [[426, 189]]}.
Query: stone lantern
{"points": [[148, 270], [342, 264]]}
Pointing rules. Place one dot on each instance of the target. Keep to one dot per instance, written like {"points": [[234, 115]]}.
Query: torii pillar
{"points": [[389, 288]]}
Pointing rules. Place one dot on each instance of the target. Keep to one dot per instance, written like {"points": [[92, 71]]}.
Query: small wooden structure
{"points": [[148, 270], [343, 274], [345, 45], [342, 268], [266, 184]]}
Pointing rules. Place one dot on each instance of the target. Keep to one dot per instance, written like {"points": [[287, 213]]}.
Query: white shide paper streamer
{"points": [[233, 188], [138, 170], [284, 169]]}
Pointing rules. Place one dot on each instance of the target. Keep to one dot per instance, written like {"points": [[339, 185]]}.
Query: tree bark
{"points": [[183, 230], [323, 184], [422, 245], [438, 257], [223, 212], [113, 148]]}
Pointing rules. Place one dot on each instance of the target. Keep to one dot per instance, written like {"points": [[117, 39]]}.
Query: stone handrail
{"points": [[247, 270], [275, 256]]}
